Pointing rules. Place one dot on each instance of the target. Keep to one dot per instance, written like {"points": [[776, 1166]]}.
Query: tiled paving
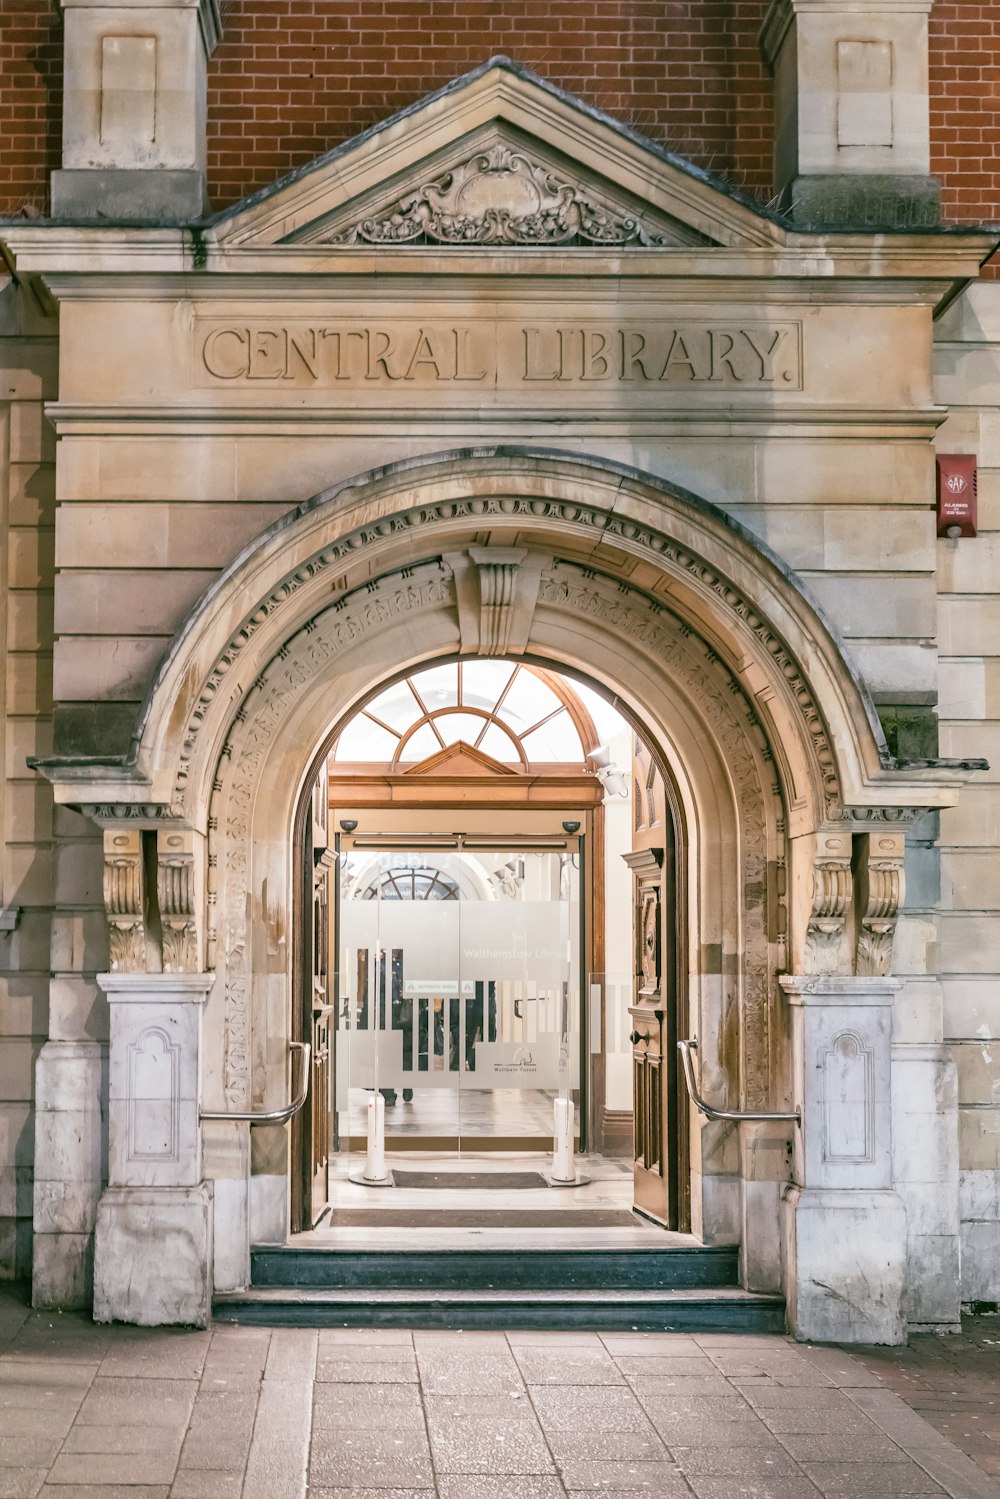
{"points": [[251, 1413], [953, 1383]]}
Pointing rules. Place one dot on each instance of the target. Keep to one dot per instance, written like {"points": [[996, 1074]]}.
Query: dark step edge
{"points": [[750, 1315], [554, 1269], [679, 1251]]}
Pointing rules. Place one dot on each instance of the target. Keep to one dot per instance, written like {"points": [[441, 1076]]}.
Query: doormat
{"points": [[488, 1218], [471, 1181]]}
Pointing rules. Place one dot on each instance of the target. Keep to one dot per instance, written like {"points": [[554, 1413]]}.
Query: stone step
{"points": [[719, 1310], [487, 1269]]}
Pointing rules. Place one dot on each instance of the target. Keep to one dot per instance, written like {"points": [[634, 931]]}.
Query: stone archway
{"points": [[654, 595]]}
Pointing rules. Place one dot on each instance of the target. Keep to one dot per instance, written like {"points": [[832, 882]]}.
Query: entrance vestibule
{"points": [[473, 982]]}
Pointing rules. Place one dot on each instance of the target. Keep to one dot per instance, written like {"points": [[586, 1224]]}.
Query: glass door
{"points": [[459, 1000]]}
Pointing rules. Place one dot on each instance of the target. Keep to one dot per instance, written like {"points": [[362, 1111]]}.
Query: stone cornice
{"points": [[209, 13], [684, 418], [92, 257], [782, 13]]}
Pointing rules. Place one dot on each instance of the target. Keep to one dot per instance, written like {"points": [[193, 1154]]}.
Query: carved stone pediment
{"points": [[502, 195]]}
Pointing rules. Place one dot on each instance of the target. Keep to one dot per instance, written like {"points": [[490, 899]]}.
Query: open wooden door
{"points": [[660, 1191], [650, 1039], [314, 1007]]}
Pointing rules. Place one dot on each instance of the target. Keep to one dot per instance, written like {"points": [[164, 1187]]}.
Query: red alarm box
{"points": [[956, 494]]}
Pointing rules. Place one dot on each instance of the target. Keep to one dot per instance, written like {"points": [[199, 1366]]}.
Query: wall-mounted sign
{"points": [[956, 494]]}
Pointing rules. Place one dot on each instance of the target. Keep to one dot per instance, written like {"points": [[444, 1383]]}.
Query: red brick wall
{"points": [[30, 102], [294, 77], [965, 108]]}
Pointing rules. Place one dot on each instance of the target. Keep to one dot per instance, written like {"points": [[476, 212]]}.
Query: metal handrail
{"points": [[273, 1116], [686, 1048]]}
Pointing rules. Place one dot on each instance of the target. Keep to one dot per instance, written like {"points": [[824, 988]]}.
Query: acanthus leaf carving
{"points": [[499, 196]]}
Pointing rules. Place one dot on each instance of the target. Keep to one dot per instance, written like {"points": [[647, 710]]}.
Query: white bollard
{"points": [[563, 1164], [375, 1158]]}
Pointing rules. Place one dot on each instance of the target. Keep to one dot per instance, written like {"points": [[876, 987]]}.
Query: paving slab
{"points": [[251, 1413]]}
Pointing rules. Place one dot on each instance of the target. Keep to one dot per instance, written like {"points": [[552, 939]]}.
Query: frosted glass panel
{"points": [[460, 996]]}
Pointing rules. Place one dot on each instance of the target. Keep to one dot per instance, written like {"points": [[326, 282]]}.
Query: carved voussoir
{"points": [[881, 888]]}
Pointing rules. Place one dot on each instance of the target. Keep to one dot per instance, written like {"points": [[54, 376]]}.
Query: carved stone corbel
{"points": [[831, 901], [498, 569], [176, 896], [881, 889], [125, 899]]}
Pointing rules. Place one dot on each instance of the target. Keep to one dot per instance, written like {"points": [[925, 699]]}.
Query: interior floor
{"points": [[597, 1214]]}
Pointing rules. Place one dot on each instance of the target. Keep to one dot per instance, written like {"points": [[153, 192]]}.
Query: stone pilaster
{"points": [[852, 113], [153, 1246], [134, 109], [844, 1227]]}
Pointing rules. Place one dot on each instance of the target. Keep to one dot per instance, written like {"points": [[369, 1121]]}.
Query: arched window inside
{"points": [[519, 715]]}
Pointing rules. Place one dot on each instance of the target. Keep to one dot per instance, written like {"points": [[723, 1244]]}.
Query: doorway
{"points": [[459, 994], [476, 947]]}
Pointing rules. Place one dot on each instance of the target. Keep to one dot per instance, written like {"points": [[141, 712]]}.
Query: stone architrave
{"points": [[844, 1227], [156, 1193]]}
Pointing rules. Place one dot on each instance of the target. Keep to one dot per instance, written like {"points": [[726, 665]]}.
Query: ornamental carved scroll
{"points": [[150, 899], [175, 892], [125, 899], [881, 888], [498, 569], [500, 197], [831, 901]]}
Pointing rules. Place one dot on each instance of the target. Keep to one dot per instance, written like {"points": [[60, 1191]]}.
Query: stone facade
{"points": [[251, 467]]}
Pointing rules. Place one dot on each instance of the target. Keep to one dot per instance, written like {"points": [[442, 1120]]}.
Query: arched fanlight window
{"points": [[516, 714], [417, 882]]}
